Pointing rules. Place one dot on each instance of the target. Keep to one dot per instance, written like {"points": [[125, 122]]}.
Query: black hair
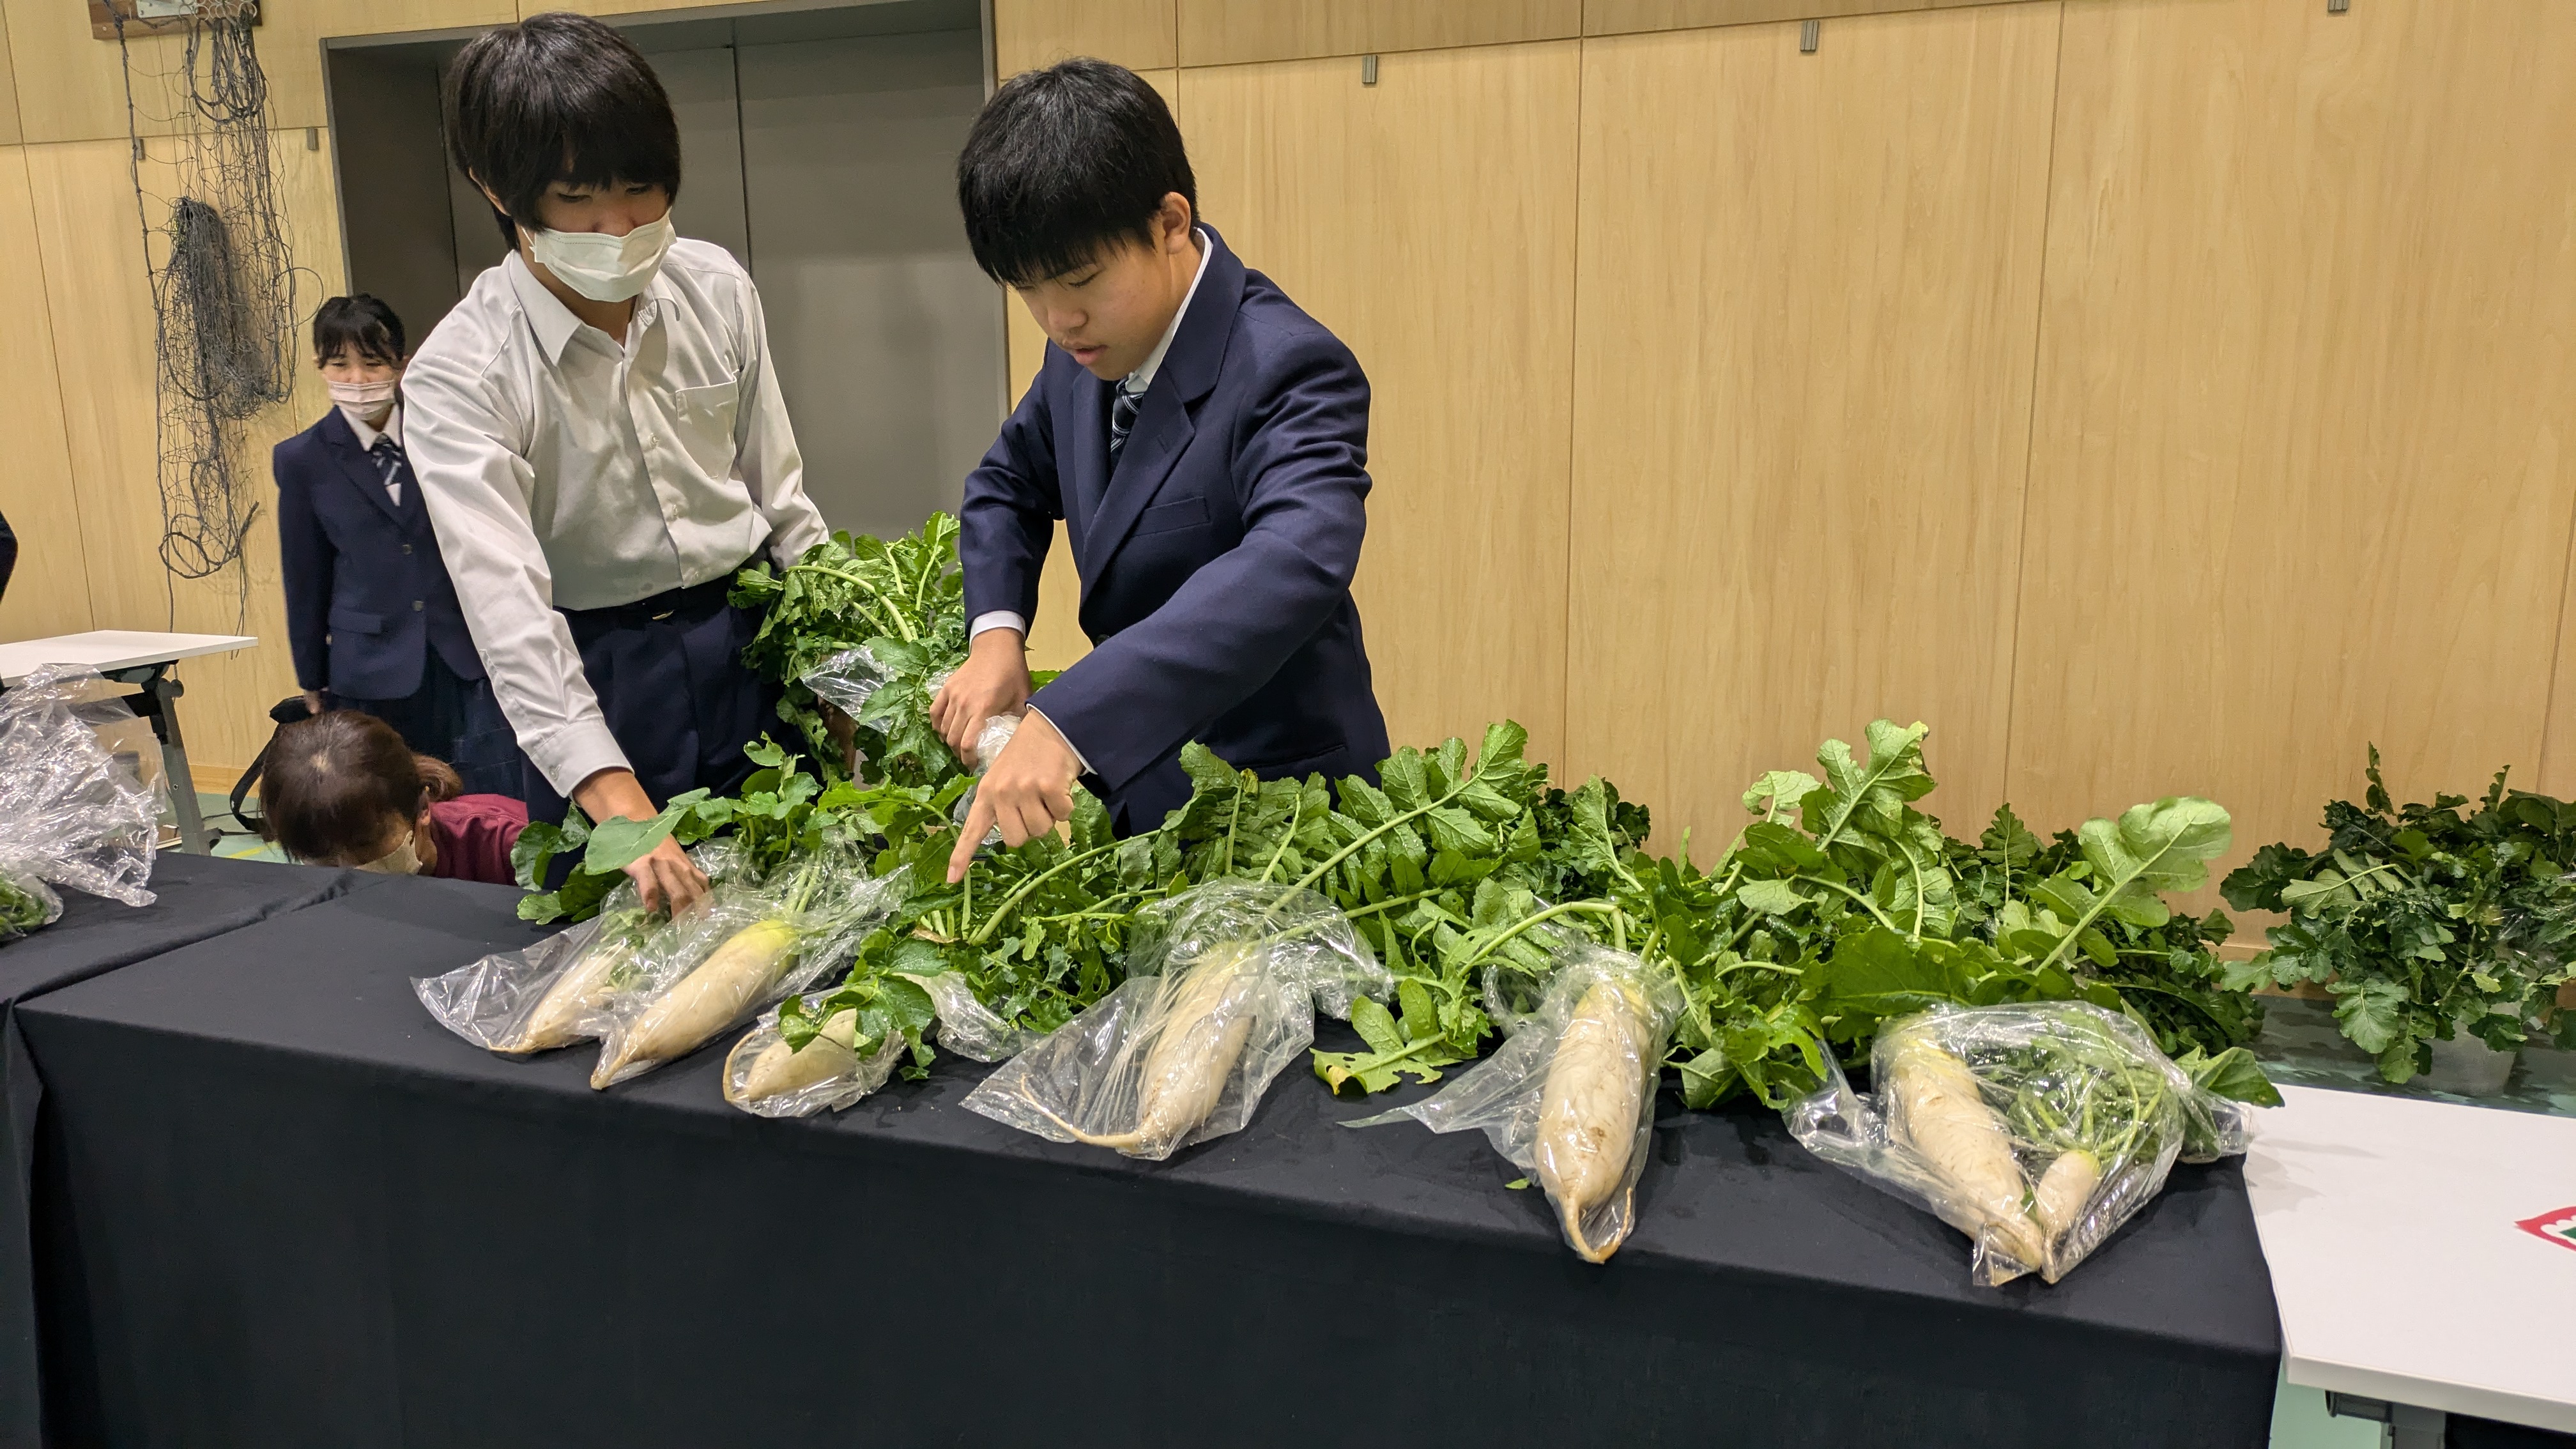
{"points": [[339, 787], [359, 325], [557, 97], [1064, 161]]}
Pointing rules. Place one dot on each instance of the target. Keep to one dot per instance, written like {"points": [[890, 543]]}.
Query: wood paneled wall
{"points": [[2155, 396]]}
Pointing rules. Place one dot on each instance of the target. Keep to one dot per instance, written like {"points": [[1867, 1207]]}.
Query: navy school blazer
{"points": [[367, 594], [1216, 560]]}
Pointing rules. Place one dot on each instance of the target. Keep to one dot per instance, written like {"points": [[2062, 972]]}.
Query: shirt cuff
{"points": [[575, 752], [998, 619], [1060, 734]]}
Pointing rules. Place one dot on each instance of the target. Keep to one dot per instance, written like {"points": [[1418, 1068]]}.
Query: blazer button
{"points": [[406, 548], [419, 604]]}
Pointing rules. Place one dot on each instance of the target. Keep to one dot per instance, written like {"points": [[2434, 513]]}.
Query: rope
{"points": [[223, 286]]}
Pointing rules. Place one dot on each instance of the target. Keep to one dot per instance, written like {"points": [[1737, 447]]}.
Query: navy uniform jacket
{"points": [[1216, 561], [367, 595]]}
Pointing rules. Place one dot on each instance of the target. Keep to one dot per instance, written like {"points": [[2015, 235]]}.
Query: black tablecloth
{"points": [[280, 1206], [199, 897]]}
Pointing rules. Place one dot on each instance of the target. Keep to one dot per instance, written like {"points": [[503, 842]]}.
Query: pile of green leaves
{"points": [[903, 602], [2424, 921], [22, 907]]}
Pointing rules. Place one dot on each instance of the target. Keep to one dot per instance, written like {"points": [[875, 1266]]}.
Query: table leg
{"points": [[2413, 1428], [159, 704]]}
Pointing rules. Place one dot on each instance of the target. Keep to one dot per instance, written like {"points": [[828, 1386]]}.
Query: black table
{"points": [[199, 897], [280, 1206]]}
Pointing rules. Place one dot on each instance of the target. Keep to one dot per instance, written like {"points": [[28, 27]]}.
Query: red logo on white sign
{"points": [[2554, 1227]]}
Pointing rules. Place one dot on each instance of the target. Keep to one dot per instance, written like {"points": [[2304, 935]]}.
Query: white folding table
{"points": [[142, 659], [2423, 1255]]}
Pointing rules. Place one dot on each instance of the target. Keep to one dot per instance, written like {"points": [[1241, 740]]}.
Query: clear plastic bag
{"points": [[1570, 1097], [847, 680], [743, 946], [988, 748], [70, 814], [967, 1026], [766, 1078], [553, 993], [2036, 1130], [1224, 982], [26, 904]]}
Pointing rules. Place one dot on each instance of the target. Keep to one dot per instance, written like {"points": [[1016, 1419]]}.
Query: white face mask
{"points": [[601, 267], [402, 860], [364, 402]]}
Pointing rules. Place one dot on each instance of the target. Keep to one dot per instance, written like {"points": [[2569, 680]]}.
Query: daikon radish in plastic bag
{"points": [[1570, 1098], [2037, 1130], [1223, 986]]}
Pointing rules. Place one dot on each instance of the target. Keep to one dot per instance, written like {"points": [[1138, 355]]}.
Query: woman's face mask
{"points": [[403, 859]]}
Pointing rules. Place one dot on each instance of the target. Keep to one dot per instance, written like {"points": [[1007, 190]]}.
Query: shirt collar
{"points": [[1142, 378], [553, 322]]}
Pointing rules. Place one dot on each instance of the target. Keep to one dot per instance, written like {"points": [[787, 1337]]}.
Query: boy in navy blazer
{"points": [[371, 617], [1206, 444]]}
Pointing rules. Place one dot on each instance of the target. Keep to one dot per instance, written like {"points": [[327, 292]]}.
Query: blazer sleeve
{"points": [[304, 562], [1302, 471], [8, 554], [1007, 522]]}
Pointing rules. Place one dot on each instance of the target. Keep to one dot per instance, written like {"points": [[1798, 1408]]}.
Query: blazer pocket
{"points": [[357, 621], [1173, 517]]}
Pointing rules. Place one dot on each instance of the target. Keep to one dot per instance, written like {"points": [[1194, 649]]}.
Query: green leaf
{"points": [[616, 843], [1773, 897], [1778, 792], [2233, 1073], [2372, 1013], [1872, 796], [1376, 1025]]}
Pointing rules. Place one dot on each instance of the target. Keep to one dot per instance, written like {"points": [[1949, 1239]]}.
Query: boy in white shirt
{"points": [[600, 438]]}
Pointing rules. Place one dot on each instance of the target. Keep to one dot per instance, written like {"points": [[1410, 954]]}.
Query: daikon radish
{"points": [[581, 989], [1198, 1022], [781, 1069], [1936, 1105], [1587, 1120], [2064, 1190], [704, 1002]]}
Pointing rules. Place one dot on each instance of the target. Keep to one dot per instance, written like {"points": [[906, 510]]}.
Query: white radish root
{"points": [[1587, 1123], [780, 1070], [2062, 1195], [1940, 1111], [581, 989], [703, 1002], [1198, 1021]]}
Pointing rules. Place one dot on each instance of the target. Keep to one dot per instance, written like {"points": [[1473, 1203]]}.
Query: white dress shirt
{"points": [[367, 440], [567, 468]]}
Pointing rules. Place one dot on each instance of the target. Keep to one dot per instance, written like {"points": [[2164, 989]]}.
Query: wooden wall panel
{"points": [[72, 86], [92, 249], [1429, 221], [9, 133], [1137, 34], [2301, 473], [49, 594], [1802, 399], [1622, 17], [1234, 32]]}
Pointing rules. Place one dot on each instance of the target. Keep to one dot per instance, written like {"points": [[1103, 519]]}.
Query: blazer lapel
{"points": [[1163, 425], [1084, 461], [360, 468]]}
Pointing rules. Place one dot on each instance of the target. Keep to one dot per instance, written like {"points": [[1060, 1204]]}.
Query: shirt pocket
{"points": [[703, 417], [1173, 517]]}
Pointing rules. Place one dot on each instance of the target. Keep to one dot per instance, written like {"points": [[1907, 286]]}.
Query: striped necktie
{"points": [[1122, 420], [389, 465]]}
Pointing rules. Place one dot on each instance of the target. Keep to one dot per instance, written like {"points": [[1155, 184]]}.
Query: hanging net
{"points": [[223, 283]]}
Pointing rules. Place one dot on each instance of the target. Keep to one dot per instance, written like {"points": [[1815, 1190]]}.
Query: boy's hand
{"points": [[994, 680], [1026, 792], [666, 875]]}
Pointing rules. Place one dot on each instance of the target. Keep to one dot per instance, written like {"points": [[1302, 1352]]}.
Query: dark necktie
{"points": [[1122, 421], [389, 464]]}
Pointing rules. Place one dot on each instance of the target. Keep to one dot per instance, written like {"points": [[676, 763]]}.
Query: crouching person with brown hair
{"points": [[343, 789]]}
